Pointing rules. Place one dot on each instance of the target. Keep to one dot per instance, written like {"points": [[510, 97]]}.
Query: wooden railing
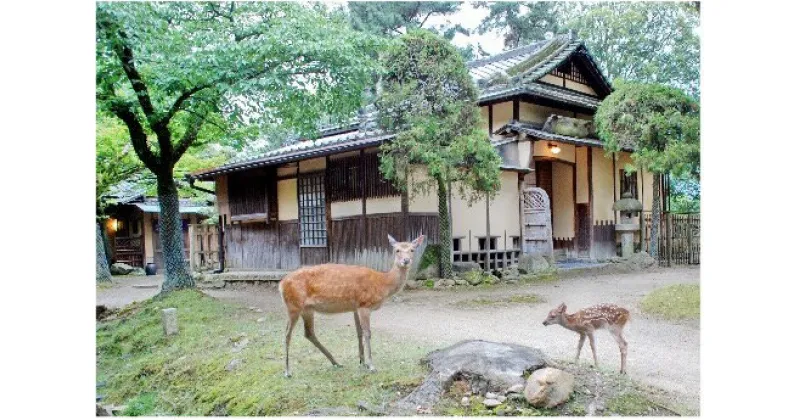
{"points": [[129, 251], [204, 253]]}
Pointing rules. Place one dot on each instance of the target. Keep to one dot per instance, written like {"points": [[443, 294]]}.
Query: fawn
{"points": [[586, 321], [338, 288]]}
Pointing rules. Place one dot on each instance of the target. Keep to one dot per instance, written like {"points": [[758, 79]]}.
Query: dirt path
{"points": [[661, 353]]}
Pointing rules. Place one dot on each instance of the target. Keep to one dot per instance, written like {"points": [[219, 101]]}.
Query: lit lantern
{"points": [[554, 149]]}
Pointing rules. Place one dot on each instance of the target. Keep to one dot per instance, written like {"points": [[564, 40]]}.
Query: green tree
{"points": [[648, 42], [428, 99], [115, 160], [393, 18], [520, 22], [662, 125], [180, 75]]}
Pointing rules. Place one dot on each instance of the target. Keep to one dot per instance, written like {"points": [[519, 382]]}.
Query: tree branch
{"points": [[181, 99], [138, 136], [188, 138]]}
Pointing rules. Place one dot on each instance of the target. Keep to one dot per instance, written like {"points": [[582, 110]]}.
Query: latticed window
{"points": [[570, 71], [628, 183], [311, 196], [351, 177]]}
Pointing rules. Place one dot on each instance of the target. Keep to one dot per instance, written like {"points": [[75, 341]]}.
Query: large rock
{"points": [[463, 267], [549, 387], [486, 365], [641, 261], [534, 264], [120, 269], [510, 274]]}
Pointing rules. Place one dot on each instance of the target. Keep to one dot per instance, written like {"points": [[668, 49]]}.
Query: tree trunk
{"points": [[445, 241], [175, 274], [655, 220], [102, 272]]}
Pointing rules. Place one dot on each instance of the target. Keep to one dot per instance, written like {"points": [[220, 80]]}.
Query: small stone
{"points": [[233, 364], [515, 389], [491, 395], [449, 282], [501, 412], [261, 319], [240, 345], [501, 398], [465, 401], [491, 403], [461, 282], [549, 387], [102, 411], [169, 317], [259, 310]]}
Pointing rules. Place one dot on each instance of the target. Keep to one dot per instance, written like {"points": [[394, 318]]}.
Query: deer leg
{"points": [[360, 343], [308, 323], [594, 351], [293, 315], [623, 347], [363, 314], [580, 346]]}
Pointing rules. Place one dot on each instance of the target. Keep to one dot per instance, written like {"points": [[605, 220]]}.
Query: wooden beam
{"points": [[491, 119], [488, 233], [364, 199], [575, 203], [591, 196], [515, 109]]}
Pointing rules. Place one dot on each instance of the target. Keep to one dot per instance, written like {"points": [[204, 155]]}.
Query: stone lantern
{"points": [[628, 207]]}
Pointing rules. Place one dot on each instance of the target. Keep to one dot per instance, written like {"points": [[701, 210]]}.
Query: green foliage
{"points": [[678, 301], [185, 374], [520, 22], [430, 256], [115, 160], [649, 42], [630, 404], [393, 18], [661, 123]]}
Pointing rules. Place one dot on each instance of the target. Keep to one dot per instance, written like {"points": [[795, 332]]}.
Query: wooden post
{"points": [[668, 217], [488, 233], [364, 238], [589, 154], [614, 180], [192, 246]]}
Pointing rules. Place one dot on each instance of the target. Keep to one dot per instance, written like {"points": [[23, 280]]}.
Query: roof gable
{"points": [[527, 65]]}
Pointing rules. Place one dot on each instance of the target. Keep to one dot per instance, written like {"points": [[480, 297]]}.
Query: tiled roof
{"points": [[535, 130], [543, 90], [363, 132]]}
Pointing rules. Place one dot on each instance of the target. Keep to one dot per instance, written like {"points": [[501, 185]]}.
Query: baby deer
{"points": [[586, 321], [337, 288]]}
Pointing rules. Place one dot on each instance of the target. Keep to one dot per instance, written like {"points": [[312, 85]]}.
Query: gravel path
{"points": [[664, 354]]}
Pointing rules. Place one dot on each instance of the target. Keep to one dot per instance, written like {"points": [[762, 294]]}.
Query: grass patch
{"points": [[105, 285], [630, 404], [507, 300], [548, 277], [679, 301], [185, 374]]}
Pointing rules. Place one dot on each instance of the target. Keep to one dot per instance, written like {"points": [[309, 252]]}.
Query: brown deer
{"points": [[586, 321], [337, 288]]}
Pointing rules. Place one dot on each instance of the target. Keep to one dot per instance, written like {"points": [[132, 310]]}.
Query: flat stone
{"points": [[491, 402], [518, 388], [491, 395], [233, 365]]}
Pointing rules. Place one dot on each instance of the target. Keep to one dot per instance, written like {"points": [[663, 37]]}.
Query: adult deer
{"points": [[338, 288], [586, 321]]}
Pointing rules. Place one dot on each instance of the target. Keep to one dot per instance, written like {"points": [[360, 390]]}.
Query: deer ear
{"points": [[392, 241], [417, 242], [562, 307]]}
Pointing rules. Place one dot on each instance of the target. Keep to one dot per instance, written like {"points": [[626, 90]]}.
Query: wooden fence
{"points": [[679, 238], [204, 252]]}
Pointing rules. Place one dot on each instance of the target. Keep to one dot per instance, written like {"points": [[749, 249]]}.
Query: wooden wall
{"points": [[256, 246]]}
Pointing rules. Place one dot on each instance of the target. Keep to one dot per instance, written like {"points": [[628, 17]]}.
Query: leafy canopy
{"points": [[661, 123], [428, 99], [195, 72]]}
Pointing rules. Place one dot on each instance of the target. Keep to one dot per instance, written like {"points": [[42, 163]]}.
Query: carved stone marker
{"points": [[169, 317]]}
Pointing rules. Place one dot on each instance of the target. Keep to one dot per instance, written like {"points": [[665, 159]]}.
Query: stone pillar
{"points": [[169, 317]]}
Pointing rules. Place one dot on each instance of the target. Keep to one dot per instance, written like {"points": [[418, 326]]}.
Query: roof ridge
{"points": [[507, 54]]}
